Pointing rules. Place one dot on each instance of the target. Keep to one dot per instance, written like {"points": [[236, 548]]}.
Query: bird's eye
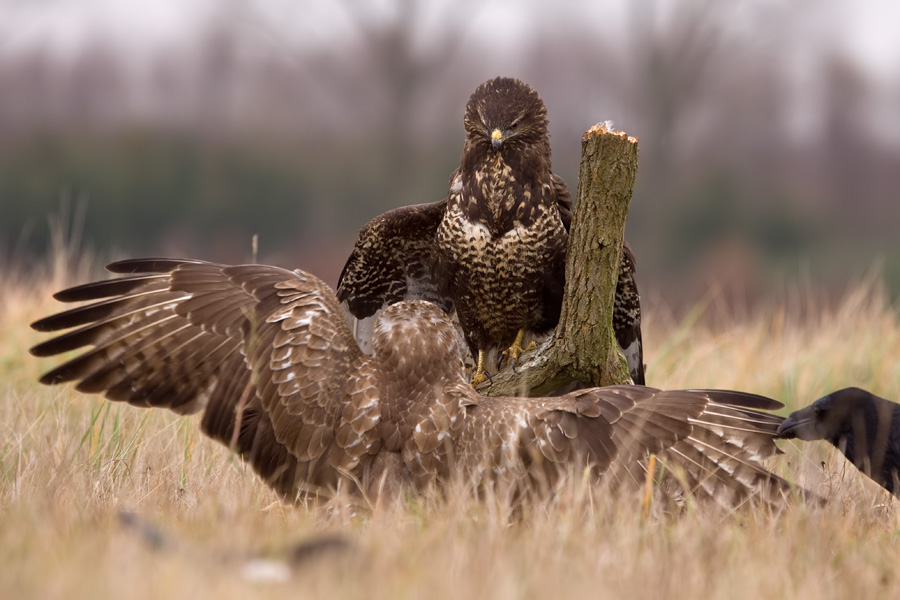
{"points": [[817, 410], [514, 124]]}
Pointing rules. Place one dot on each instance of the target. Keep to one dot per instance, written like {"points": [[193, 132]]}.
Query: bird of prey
{"points": [[865, 427], [494, 249], [268, 358]]}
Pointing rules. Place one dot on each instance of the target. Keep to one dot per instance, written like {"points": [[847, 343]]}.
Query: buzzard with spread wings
{"points": [[266, 355], [494, 250]]}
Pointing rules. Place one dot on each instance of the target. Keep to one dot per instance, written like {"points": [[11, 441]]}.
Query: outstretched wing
{"points": [[712, 442], [264, 352], [393, 260]]}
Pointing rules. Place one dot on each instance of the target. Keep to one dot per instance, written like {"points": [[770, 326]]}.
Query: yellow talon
{"points": [[516, 350], [480, 374]]}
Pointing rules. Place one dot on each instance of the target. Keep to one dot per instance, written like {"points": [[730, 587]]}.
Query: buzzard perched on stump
{"points": [[494, 250], [266, 355]]}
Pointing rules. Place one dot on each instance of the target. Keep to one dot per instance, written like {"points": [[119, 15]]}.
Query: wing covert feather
{"points": [[393, 260]]}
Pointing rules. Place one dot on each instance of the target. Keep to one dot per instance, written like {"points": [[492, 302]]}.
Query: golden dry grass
{"points": [[70, 463]]}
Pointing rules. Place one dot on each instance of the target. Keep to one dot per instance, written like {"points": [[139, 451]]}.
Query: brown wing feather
{"points": [[627, 316], [712, 442], [265, 351], [525, 443], [393, 260], [563, 199], [267, 355], [318, 389]]}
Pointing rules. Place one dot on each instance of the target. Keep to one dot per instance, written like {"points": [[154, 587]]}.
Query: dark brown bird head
{"points": [[415, 341], [506, 113], [832, 417]]}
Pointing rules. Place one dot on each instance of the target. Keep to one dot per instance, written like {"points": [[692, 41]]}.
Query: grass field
{"points": [[69, 464]]}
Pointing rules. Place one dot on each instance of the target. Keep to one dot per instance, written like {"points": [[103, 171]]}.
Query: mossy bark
{"points": [[583, 347]]}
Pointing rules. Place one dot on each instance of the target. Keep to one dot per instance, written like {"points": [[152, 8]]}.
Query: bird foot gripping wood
{"points": [[480, 374], [515, 350], [480, 377]]}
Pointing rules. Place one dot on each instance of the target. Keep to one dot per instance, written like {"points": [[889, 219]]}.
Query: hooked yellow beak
{"points": [[496, 138]]}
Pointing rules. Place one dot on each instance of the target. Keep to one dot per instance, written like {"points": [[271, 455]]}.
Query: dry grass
{"points": [[69, 463]]}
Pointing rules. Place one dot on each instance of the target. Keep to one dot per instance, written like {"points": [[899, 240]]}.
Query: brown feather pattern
{"points": [[268, 358]]}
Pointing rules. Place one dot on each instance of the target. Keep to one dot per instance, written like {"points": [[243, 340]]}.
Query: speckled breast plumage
{"points": [[502, 243]]}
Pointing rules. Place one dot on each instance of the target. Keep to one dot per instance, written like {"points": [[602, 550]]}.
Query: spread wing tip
{"points": [[148, 265], [741, 399]]}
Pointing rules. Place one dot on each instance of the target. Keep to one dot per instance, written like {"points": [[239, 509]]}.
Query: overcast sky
{"points": [[869, 29]]}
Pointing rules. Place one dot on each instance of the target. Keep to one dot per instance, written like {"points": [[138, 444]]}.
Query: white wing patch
{"points": [[632, 355], [363, 328]]}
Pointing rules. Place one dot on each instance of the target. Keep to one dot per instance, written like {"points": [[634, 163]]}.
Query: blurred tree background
{"points": [[770, 131]]}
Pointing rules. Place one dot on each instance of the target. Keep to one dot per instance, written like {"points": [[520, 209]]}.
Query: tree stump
{"points": [[583, 347]]}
